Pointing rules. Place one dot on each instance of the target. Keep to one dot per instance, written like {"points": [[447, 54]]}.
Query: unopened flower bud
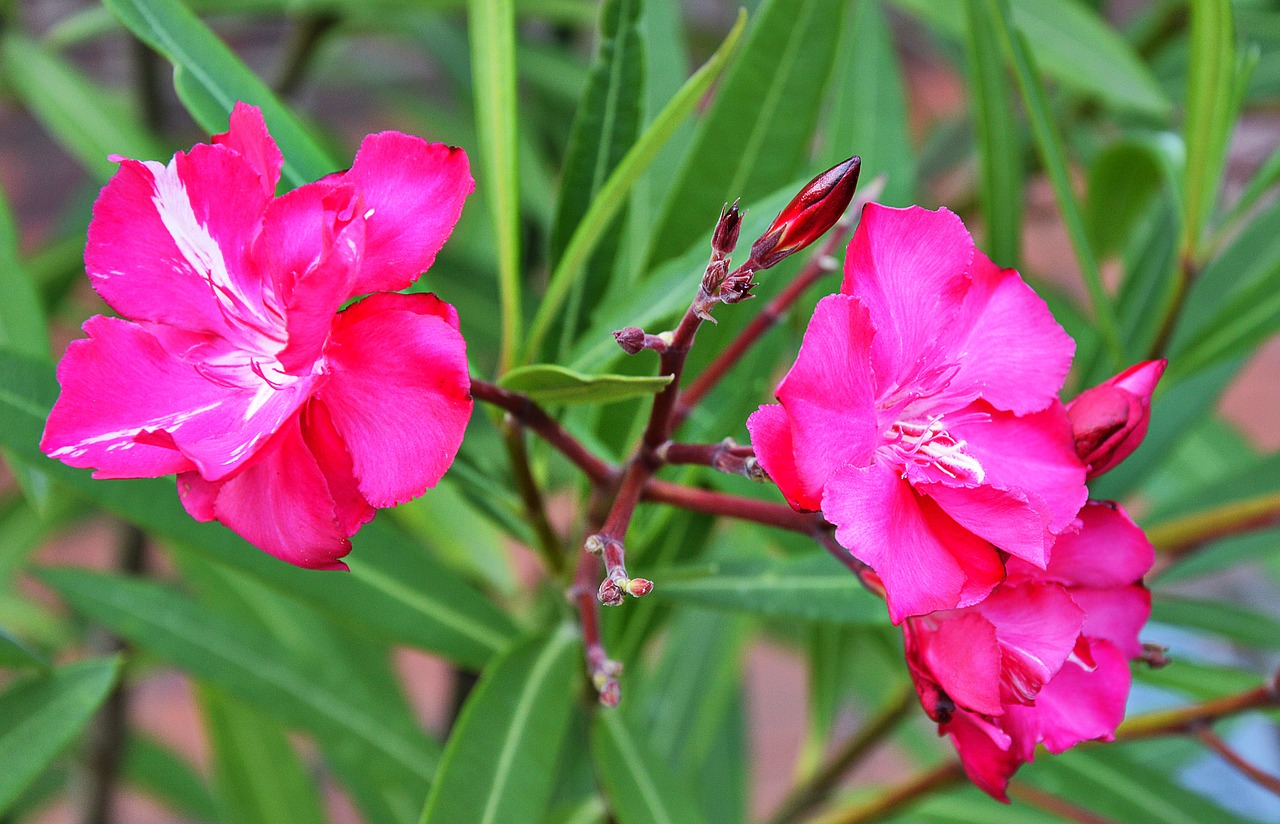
{"points": [[808, 216], [639, 587], [611, 592], [725, 236], [631, 339], [594, 544], [1110, 420]]}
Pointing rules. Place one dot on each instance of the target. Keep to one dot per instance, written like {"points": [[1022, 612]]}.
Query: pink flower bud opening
{"points": [[809, 215], [1110, 420]]}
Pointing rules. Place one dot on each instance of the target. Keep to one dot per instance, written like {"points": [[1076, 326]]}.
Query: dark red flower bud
{"points": [[725, 236], [639, 587], [1110, 420], [808, 216], [631, 339], [611, 593]]}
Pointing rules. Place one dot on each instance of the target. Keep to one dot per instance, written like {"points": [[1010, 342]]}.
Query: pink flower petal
{"points": [[828, 393], [1016, 354], [1110, 550], [247, 135], [334, 460], [398, 392], [909, 267], [770, 430], [963, 656], [311, 246], [281, 504], [124, 394], [1037, 626], [925, 559], [170, 244], [1032, 454], [1077, 705], [1003, 517], [1116, 615], [984, 751], [414, 191]]}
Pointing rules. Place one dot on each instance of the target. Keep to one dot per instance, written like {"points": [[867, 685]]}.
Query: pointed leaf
{"points": [[757, 133], [39, 716], [14, 653], [814, 588], [164, 775], [246, 663], [640, 786], [501, 758], [210, 78], [550, 384]]}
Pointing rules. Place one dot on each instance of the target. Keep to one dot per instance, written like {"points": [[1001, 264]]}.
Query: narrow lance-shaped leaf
{"points": [[869, 109], [1053, 154], [393, 593], [551, 384], [1000, 170], [604, 128], [640, 786], [756, 136], [210, 78], [1210, 112], [493, 69], [39, 716], [614, 192], [500, 763], [258, 775], [246, 663], [165, 776]]}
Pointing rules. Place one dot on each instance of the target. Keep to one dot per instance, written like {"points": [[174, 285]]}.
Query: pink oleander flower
{"points": [[1110, 420], [921, 415], [1044, 659], [284, 418]]}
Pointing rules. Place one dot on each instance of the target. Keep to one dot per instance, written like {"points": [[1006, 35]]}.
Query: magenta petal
{"points": [[909, 267], [1078, 705], [770, 430], [247, 135], [331, 455], [1016, 354], [1005, 518], [170, 244], [398, 393], [984, 751], [1116, 615], [925, 559], [414, 192], [1032, 454], [828, 393], [1110, 550], [198, 495], [1037, 626], [282, 505], [963, 654]]}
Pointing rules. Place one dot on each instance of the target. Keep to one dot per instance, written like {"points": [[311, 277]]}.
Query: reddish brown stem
{"points": [[1214, 742], [535, 418], [733, 506], [1051, 803], [1188, 719], [774, 311], [895, 798], [602, 670], [726, 456]]}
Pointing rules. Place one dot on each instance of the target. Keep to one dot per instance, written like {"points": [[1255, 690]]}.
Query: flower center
{"points": [[929, 448]]}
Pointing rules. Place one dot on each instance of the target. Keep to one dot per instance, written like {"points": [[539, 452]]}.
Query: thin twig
{"points": [[733, 506], [535, 507], [1051, 803], [819, 787], [1185, 720], [941, 777], [1214, 742]]}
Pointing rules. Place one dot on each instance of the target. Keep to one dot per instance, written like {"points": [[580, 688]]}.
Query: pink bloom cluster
{"points": [[922, 418], [284, 418]]}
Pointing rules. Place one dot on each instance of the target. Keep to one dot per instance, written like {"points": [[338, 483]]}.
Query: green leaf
{"points": [[493, 69], [22, 326], [640, 786], [1210, 113], [1053, 154], [393, 593], [1000, 162], [210, 78], [164, 775], [14, 653], [869, 104], [551, 384], [813, 588], [756, 135], [247, 664], [258, 775], [89, 122], [501, 757], [1123, 179], [1242, 625], [1072, 44], [613, 194], [39, 716]]}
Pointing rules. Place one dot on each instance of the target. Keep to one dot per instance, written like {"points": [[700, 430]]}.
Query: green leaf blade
{"points": [[551, 384]]}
